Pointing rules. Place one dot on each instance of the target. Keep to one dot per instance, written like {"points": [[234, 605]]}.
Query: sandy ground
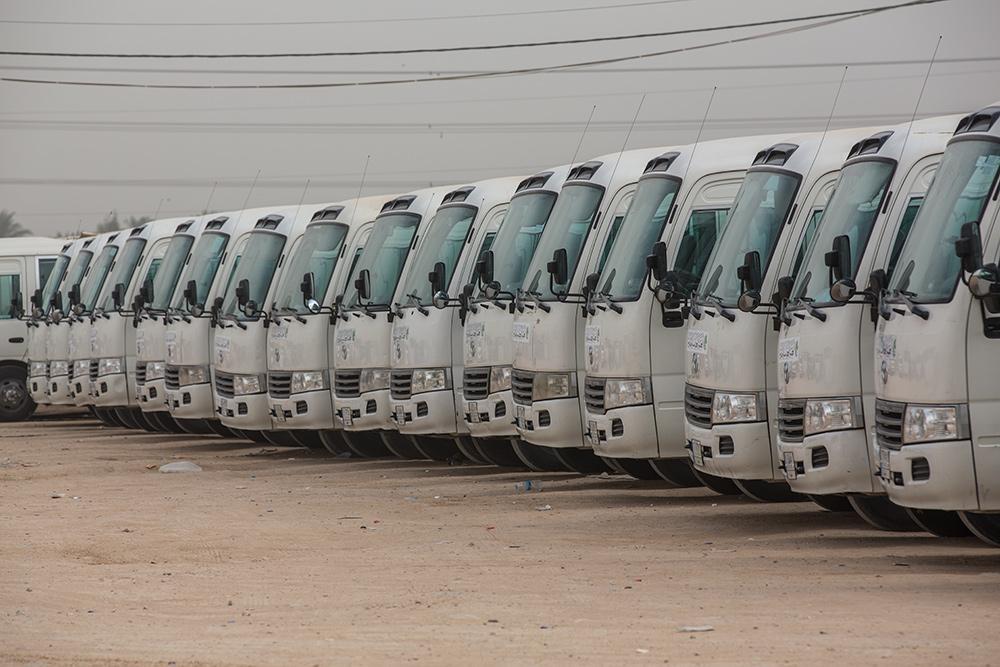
{"points": [[291, 558]]}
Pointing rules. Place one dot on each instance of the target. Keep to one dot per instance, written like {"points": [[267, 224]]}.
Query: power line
{"points": [[478, 47], [467, 77], [405, 19]]}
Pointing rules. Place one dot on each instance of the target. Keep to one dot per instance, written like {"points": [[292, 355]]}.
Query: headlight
{"points": [[38, 368], [499, 378], [373, 379], [248, 384], [553, 385], [110, 366], [728, 408], [308, 381], [192, 375], [81, 368], [834, 414], [619, 393], [923, 423], [57, 368], [155, 370], [429, 379]]}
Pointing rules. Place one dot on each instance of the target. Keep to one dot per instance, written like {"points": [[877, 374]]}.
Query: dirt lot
{"points": [[291, 558]]}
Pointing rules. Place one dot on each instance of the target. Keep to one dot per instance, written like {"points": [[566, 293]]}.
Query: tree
{"points": [[10, 228], [112, 223]]}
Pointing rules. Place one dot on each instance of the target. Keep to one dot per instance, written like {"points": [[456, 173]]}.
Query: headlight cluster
{"points": [[110, 366], [57, 368], [924, 423], [38, 368], [187, 375], [308, 381], [155, 370], [553, 385], [429, 379], [730, 408], [499, 378], [81, 368], [374, 379], [248, 384], [619, 393], [832, 414]]}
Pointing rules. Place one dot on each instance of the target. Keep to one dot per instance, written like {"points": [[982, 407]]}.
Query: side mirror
{"points": [[666, 290], [36, 299], [437, 279], [751, 277], [969, 247], [16, 309], [250, 308], [877, 282], [843, 290], [191, 293], [558, 268], [74, 294], [590, 284], [749, 300], [56, 301], [839, 259], [363, 283], [118, 295], [308, 287], [484, 267], [216, 305], [491, 290], [57, 316], [243, 293], [147, 291], [785, 284], [440, 300], [983, 282], [656, 262]]}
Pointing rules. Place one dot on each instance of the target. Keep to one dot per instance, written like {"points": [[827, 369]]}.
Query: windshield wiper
{"points": [[413, 298], [717, 302], [915, 308], [806, 302]]}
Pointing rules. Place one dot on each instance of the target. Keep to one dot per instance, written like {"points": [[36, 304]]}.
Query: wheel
{"points": [[721, 485], [498, 451], [832, 502], [197, 426], [939, 522], [984, 526], [308, 439], [537, 457], [281, 438], [126, 418], [145, 422], [334, 442], [438, 449], [882, 513], [638, 468], [366, 444], [676, 471], [216, 427], [583, 461], [402, 445], [768, 492], [254, 436], [617, 467], [470, 451], [108, 417], [164, 422], [15, 399]]}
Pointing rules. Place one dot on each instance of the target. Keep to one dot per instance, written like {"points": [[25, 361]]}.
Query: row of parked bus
{"points": [[786, 317]]}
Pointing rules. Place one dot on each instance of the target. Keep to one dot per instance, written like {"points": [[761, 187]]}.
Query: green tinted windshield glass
{"points": [[851, 212], [125, 264], [624, 272], [928, 267], [518, 236], [567, 227], [317, 253], [909, 215], [52, 281], [703, 229], [384, 255], [77, 268], [169, 271], [204, 264], [443, 241], [97, 277], [259, 262], [755, 221]]}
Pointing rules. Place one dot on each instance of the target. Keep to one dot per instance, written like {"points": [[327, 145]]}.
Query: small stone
{"points": [[543, 508], [697, 628], [180, 466]]}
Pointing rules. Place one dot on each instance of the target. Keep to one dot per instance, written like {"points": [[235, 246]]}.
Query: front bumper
{"points": [[946, 476], [59, 391], [628, 432], [193, 401], [152, 395], [80, 390], [308, 410], [368, 411], [429, 412], [495, 416], [38, 387], [551, 423], [250, 412], [833, 462], [734, 451], [110, 391]]}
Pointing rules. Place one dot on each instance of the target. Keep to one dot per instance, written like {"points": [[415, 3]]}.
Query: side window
{"points": [[616, 226], [904, 229], [703, 229], [45, 265], [154, 267], [807, 238], [238, 251], [10, 284], [487, 244]]}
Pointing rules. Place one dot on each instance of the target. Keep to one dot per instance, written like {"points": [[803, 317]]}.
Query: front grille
{"points": [[698, 405], [95, 366], [140, 372], [820, 457], [889, 424], [791, 417], [521, 383], [593, 391], [224, 384], [476, 383], [279, 385], [69, 371], [920, 469], [401, 384], [172, 377], [347, 384]]}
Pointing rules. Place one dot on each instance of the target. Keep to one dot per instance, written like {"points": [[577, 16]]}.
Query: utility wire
{"points": [[479, 47]]}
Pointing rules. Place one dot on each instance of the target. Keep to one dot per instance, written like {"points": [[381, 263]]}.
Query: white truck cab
{"points": [[824, 361], [425, 353], [548, 329], [190, 322], [113, 320], [937, 377], [634, 388], [25, 266], [731, 387], [303, 311], [362, 333], [487, 349]]}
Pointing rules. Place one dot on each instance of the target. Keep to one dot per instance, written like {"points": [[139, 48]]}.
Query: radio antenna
{"points": [[920, 96], [701, 129], [829, 121], [364, 175], [627, 135], [302, 198], [247, 200], [210, 195], [583, 136]]}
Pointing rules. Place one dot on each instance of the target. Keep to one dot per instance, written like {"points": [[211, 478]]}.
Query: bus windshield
{"points": [[204, 264], [384, 255], [170, 269], [442, 242], [259, 262], [518, 236], [317, 253]]}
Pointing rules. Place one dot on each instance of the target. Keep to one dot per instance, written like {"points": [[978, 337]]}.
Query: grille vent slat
{"points": [[791, 419], [476, 383], [172, 377], [521, 384], [224, 384], [279, 384], [140, 372], [347, 384], [698, 405], [889, 424], [593, 389], [401, 384]]}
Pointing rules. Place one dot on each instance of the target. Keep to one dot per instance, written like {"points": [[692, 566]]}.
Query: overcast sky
{"points": [[69, 155]]}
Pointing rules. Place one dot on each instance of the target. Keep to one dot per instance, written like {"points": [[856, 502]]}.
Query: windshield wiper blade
{"points": [[915, 308], [536, 298], [717, 302], [412, 297], [806, 302], [607, 302]]}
